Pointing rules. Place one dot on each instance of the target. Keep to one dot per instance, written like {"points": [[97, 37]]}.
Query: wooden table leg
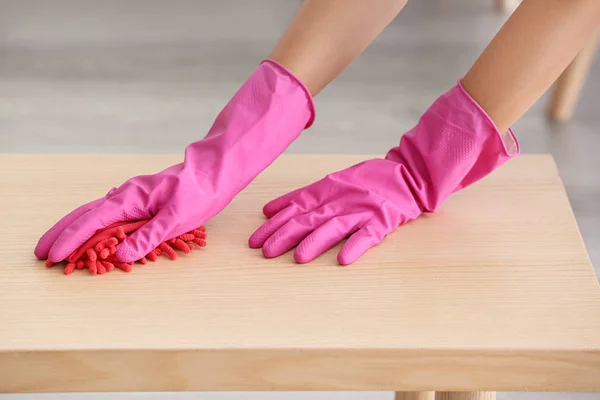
{"points": [[567, 87], [415, 396], [465, 396]]}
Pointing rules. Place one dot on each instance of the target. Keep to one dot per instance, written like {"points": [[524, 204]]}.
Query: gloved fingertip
{"points": [[268, 211], [257, 240], [344, 258], [272, 250], [302, 258], [40, 253], [42, 248], [252, 243], [127, 252], [305, 254], [55, 255], [268, 253]]}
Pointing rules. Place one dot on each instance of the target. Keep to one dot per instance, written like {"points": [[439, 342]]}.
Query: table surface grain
{"points": [[493, 292]]}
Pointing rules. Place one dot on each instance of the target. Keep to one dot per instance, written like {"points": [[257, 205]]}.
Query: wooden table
{"points": [[493, 292]]}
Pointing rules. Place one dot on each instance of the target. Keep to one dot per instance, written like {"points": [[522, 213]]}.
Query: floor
{"points": [[149, 76]]}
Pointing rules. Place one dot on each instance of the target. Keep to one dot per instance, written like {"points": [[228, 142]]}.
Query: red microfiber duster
{"points": [[98, 253]]}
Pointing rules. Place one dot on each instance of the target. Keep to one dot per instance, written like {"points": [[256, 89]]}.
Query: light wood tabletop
{"points": [[493, 292]]}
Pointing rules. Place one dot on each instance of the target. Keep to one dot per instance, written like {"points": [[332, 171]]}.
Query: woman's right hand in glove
{"points": [[263, 118]]}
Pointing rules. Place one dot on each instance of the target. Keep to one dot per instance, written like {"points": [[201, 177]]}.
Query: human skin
{"points": [[520, 63]]}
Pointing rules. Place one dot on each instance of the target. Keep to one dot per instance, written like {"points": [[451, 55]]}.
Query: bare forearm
{"points": [[326, 35], [530, 51]]}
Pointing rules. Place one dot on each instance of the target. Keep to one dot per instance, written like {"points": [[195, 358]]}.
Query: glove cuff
{"points": [[454, 145], [509, 140], [309, 98]]}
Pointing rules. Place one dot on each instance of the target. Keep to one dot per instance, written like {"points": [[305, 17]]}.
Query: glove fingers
{"points": [[294, 231], [264, 232], [325, 237], [85, 227], [278, 204], [49, 238], [360, 242], [148, 237]]}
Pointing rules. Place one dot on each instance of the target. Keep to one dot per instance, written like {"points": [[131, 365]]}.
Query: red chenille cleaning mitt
{"points": [[98, 253]]}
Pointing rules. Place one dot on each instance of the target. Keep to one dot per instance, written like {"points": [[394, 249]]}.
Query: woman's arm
{"points": [[531, 50], [326, 35]]}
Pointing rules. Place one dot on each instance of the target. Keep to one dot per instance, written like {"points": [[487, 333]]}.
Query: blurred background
{"points": [[150, 76]]}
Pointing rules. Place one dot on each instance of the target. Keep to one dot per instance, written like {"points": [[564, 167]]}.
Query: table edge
{"points": [[300, 369]]}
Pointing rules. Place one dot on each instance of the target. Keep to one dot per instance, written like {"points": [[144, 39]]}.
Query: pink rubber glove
{"points": [[454, 145], [263, 118]]}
